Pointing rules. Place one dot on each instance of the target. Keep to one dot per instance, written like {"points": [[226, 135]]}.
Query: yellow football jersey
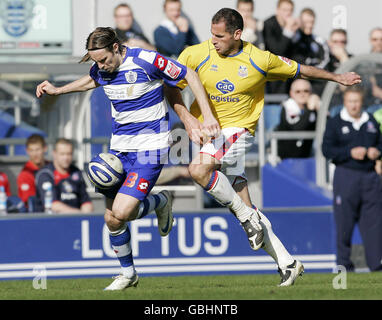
{"points": [[235, 84]]}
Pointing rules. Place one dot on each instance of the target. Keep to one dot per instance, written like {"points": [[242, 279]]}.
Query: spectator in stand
{"points": [[376, 80], [353, 142], [278, 33], [36, 149], [376, 40], [128, 30], [253, 28], [4, 182], [68, 185], [308, 48], [299, 113], [175, 32], [337, 47]]}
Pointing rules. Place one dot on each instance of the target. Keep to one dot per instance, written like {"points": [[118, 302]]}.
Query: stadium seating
{"points": [[292, 184], [9, 129]]}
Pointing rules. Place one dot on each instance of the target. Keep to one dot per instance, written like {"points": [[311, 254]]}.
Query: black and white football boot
{"points": [[254, 231], [290, 273]]}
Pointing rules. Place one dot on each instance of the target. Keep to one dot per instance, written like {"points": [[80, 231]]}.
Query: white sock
{"points": [[220, 188], [128, 272], [272, 245]]}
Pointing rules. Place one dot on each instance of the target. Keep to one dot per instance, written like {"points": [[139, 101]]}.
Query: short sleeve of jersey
{"points": [[160, 67], [94, 72], [281, 68], [189, 58]]}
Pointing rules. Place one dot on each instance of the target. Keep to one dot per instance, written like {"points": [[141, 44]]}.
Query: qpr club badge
{"points": [[131, 76], [16, 16]]}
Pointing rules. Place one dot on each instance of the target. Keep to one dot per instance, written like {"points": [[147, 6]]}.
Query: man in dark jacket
{"points": [[310, 49], [278, 33], [175, 32], [353, 142]]}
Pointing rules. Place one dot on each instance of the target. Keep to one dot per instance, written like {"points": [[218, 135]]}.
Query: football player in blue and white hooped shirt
{"points": [[133, 80]]}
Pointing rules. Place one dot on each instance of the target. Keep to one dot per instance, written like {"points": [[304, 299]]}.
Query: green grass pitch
{"points": [[312, 286]]}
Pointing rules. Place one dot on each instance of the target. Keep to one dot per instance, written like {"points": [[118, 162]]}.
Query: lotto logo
{"points": [[172, 70], [143, 185], [160, 62]]}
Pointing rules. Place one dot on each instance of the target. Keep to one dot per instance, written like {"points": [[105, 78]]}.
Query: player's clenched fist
{"points": [[46, 87], [211, 127]]}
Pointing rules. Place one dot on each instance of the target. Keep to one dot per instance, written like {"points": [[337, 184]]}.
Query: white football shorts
{"points": [[230, 149]]}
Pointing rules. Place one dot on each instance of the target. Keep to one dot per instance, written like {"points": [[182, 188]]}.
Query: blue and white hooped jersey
{"points": [[135, 89]]}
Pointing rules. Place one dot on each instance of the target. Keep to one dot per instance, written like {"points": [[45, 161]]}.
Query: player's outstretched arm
{"points": [[313, 73], [210, 124], [83, 84]]}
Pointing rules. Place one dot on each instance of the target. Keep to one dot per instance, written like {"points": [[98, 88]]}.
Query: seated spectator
{"points": [[253, 28], [337, 47], [66, 181], [308, 48], [4, 182], [278, 33], [175, 32], [299, 113], [36, 149], [128, 29]]}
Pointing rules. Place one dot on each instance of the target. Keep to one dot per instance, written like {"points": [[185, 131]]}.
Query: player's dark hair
{"points": [[102, 38], [35, 139], [233, 19]]}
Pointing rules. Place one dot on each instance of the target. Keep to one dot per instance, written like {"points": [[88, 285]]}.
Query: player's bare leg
{"points": [[203, 170], [288, 267]]}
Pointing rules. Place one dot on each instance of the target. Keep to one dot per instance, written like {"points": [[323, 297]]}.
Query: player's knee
{"points": [[123, 212], [199, 173], [112, 222]]}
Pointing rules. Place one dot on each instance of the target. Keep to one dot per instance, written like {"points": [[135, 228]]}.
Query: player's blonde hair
{"points": [[101, 38]]}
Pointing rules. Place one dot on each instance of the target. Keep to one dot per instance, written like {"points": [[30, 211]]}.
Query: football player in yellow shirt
{"points": [[234, 74]]}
